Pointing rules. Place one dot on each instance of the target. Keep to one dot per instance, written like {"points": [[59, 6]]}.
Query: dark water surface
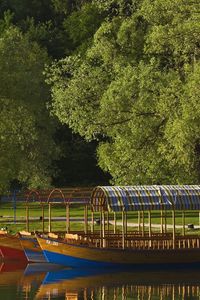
{"points": [[46, 281]]}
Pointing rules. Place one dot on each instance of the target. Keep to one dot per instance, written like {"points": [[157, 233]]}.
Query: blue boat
{"points": [[111, 248], [32, 248]]}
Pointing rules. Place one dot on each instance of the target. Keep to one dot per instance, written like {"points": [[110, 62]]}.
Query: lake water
{"points": [[45, 281]]}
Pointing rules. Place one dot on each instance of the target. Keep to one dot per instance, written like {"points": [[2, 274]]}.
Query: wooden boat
{"points": [[22, 246], [31, 247], [82, 252], [124, 248], [10, 247]]}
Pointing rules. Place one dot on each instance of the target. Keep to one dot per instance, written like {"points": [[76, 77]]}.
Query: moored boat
{"points": [[108, 248], [20, 247], [82, 253], [11, 248], [31, 247]]}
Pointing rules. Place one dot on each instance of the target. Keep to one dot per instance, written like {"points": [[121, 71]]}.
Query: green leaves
{"points": [[20, 67], [82, 24], [136, 91], [174, 30], [26, 147]]}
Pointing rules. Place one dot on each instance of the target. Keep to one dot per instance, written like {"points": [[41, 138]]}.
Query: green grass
{"points": [[35, 211]]}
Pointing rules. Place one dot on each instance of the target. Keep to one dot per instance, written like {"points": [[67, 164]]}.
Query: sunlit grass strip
{"points": [[35, 213]]}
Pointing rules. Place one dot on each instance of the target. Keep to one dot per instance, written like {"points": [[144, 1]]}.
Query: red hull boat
{"points": [[10, 248]]}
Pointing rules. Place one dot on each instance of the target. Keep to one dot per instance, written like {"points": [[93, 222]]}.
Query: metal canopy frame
{"points": [[64, 196], [146, 198]]}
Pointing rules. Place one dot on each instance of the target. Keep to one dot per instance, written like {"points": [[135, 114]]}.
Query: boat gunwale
{"points": [[62, 241]]}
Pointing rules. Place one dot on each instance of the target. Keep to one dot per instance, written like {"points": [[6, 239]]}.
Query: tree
{"points": [[134, 91], [82, 24], [26, 131], [40, 10]]}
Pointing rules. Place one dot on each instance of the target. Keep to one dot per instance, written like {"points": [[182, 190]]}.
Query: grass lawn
{"points": [[35, 212]]}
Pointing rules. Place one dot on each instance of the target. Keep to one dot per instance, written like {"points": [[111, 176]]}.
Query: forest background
{"points": [[100, 91]]}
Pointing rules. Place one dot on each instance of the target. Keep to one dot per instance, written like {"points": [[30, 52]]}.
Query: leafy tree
{"points": [[40, 10], [82, 24], [67, 7], [26, 30], [135, 89], [41, 22], [27, 147]]}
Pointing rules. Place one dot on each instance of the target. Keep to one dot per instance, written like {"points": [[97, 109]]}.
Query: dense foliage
{"points": [[121, 75], [33, 151], [26, 129], [136, 90]]}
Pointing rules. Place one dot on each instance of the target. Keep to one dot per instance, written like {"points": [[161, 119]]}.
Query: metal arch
{"points": [[100, 196], [52, 192], [96, 201], [33, 192]]}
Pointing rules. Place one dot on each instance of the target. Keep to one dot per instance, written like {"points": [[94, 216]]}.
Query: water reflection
{"points": [[45, 281], [14, 284], [79, 284]]}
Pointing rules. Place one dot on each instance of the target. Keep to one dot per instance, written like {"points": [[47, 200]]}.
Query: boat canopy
{"points": [[144, 198]]}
